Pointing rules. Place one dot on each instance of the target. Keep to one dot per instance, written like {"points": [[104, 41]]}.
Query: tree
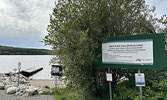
{"points": [[77, 27]]}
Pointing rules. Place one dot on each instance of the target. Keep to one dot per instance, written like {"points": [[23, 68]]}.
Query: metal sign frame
{"points": [[56, 70], [159, 57]]}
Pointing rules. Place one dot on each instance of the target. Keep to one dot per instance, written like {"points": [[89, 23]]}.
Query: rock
{"points": [[30, 87], [18, 89], [17, 93], [2, 86], [7, 86], [25, 95], [31, 92], [39, 89], [47, 87], [14, 84], [21, 94], [11, 90], [40, 92], [21, 88]]}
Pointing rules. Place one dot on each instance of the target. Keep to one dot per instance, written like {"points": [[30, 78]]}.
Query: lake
{"points": [[9, 62]]}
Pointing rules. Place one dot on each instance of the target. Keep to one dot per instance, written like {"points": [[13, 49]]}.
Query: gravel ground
{"points": [[4, 96], [42, 83]]}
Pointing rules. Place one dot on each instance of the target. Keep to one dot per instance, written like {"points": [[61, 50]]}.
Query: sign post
{"points": [[109, 79], [140, 81], [56, 70], [19, 67], [56, 81]]}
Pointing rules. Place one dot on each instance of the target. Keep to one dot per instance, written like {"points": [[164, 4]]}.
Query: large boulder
{"points": [[11, 90], [7, 86], [31, 91]]}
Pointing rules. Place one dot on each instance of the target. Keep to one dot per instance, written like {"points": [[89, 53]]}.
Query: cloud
{"points": [[24, 18], [161, 8]]}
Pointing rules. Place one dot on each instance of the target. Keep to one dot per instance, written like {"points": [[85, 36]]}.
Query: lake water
{"points": [[9, 62]]}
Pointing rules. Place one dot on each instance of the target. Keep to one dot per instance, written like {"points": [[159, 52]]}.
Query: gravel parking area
{"points": [[42, 83], [4, 96]]}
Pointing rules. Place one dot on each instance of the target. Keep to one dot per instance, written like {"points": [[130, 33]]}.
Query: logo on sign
{"points": [[138, 59]]}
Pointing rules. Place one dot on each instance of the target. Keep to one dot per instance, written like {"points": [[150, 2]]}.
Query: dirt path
{"points": [[4, 96]]}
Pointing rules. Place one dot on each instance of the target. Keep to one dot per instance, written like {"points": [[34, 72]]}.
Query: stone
{"points": [[2, 86], [7, 86], [17, 93], [31, 92], [25, 95], [40, 92], [47, 87], [22, 88], [11, 90]]}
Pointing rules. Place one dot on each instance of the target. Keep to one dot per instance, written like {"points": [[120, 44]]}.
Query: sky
{"points": [[161, 6], [23, 23]]}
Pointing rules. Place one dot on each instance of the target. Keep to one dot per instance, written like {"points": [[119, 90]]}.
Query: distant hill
{"points": [[6, 50]]}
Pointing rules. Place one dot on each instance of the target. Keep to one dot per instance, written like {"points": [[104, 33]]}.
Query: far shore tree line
{"points": [[75, 31], [6, 50]]}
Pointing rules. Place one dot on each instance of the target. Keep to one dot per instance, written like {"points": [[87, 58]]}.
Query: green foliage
{"points": [[156, 90], [156, 85], [126, 90], [5, 50], [76, 29], [68, 94]]}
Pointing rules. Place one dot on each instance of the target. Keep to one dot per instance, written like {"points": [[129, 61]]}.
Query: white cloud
{"points": [[29, 18], [20, 18]]}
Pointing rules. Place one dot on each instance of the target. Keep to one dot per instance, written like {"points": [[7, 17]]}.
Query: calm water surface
{"points": [[9, 62]]}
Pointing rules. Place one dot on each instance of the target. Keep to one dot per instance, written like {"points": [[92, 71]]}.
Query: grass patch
{"points": [[68, 94]]}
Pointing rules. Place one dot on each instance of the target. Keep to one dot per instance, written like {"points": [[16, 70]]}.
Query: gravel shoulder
{"points": [[4, 96], [42, 83]]}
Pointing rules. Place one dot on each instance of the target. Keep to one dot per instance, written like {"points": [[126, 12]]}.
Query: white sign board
{"points": [[136, 52], [55, 69], [139, 78], [109, 77]]}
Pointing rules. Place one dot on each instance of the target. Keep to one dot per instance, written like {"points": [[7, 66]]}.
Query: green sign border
{"points": [[159, 56]]}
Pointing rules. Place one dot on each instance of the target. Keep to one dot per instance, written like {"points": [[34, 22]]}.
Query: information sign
{"points": [[134, 52], [109, 77], [56, 70], [128, 52], [139, 78]]}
